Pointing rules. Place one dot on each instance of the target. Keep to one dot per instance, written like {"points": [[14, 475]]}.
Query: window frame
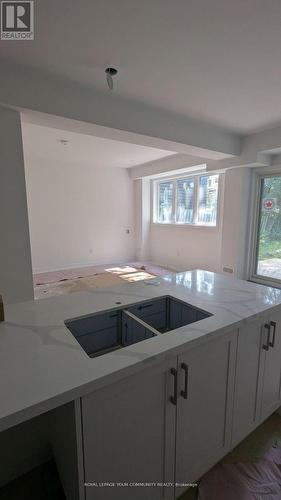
{"points": [[156, 207], [195, 223], [254, 231]]}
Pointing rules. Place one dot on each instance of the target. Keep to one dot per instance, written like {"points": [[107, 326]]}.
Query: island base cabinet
{"points": [[206, 384], [258, 374], [248, 384], [271, 365], [129, 437]]}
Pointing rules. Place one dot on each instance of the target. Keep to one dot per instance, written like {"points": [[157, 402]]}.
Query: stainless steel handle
{"points": [[184, 392], [272, 323], [266, 346], [173, 398]]}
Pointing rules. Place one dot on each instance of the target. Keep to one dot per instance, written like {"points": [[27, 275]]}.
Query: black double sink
{"points": [[108, 331]]}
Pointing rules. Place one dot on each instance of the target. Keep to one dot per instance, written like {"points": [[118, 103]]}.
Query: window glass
{"points": [[269, 229], [208, 198], [185, 190], [189, 200], [165, 202]]}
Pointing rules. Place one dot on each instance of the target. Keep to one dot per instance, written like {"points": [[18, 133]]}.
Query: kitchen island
{"points": [[148, 410]]}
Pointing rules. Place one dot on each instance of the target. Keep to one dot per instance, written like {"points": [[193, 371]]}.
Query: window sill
{"points": [[265, 280], [173, 224]]}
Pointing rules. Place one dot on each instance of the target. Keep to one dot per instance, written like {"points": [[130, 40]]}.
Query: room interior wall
{"points": [[142, 218], [183, 248], [189, 247], [15, 259], [156, 127], [79, 215], [236, 221]]}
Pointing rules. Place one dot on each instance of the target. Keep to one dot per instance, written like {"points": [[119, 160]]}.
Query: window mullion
{"points": [[196, 199], [158, 201], [175, 202]]}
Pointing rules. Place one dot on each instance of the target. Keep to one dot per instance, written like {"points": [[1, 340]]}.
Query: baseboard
{"points": [[278, 411], [81, 265], [122, 262], [165, 265]]}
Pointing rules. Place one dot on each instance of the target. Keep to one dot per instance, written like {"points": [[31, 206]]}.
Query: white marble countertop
{"points": [[42, 365]]}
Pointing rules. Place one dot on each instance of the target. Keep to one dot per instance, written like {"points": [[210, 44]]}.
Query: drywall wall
{"points": [[236, 221], [142, 218], [15, 259], [187, 247], [79, 215], [183, 248], [150, 126]]}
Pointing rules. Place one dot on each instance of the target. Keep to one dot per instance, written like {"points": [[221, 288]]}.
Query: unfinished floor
{"points": [[252, 449], [86, 278], [43, 483]]}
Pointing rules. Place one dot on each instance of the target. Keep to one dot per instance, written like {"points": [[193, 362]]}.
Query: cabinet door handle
{"points": [[266, 346], [272, 323], [173, 398], [184, 392]]}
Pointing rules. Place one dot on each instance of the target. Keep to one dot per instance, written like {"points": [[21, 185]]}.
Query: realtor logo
{"points": [[17, 20]]}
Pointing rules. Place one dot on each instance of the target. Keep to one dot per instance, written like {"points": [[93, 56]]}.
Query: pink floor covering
{"points": [[84, 272], [64, 274], [250, 481]]}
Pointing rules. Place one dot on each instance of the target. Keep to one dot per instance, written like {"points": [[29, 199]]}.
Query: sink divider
{"points": [[113, 329], [141, 322]]}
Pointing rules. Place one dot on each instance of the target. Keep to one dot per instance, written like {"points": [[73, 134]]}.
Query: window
{"points": [[165, 204], [188, 200], [185, 192], [208, 196], [266, 261]]}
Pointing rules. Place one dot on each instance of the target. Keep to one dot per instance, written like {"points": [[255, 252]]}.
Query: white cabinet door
{"points": [[248, 381], [258, 371], [129, 436], [206, 384], [272, 365]]}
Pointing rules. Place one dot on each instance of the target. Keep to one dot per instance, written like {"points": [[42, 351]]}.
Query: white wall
{"points": [[236, 220], [132, 121], [142, 218], [15, 260], [185, 248], [188, 247], [78, 214]]}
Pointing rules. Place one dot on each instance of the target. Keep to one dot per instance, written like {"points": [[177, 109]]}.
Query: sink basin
{"points": [[108, 331], [102, 333], [167, 313]]}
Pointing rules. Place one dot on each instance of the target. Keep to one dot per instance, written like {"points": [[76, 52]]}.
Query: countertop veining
{"points": [[42, 365]]}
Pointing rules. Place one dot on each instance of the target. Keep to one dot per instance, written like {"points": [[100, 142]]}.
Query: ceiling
{"points": [[218, 61], [45, 142]]}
